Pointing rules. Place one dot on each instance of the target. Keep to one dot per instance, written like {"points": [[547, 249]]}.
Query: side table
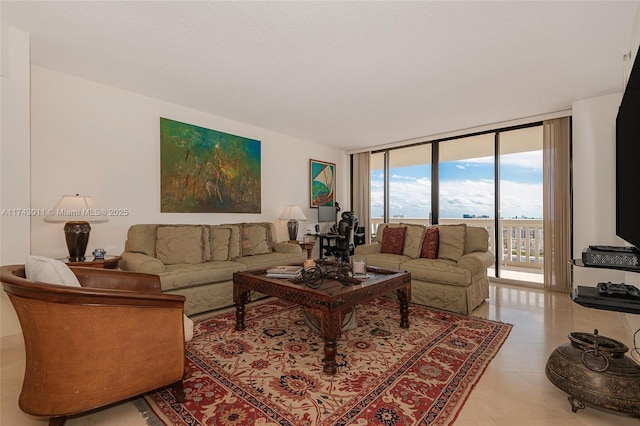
{"points": [[308, 247], [109, 262]]}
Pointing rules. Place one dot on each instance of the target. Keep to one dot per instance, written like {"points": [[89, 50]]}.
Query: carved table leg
{"points": [[330, 325], [240, 301], [404, 307], [330, 351]]}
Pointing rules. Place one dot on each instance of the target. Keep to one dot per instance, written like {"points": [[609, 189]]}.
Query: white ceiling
{"points": [[345, 74]]}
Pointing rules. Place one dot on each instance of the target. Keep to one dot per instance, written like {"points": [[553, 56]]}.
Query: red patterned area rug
{"points": [[271, 373]]}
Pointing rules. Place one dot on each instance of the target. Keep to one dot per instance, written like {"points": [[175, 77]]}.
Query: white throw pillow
{"points": [[188, 328], [50, 271]]}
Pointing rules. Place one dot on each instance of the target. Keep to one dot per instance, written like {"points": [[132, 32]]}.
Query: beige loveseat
{"points": [[456, 280], [198, 261]]}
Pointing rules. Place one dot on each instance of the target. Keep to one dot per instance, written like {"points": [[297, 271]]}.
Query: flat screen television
{"points": [[326, 214], [628, 160]]}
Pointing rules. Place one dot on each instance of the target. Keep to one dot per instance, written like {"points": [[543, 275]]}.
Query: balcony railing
{"points": [[521, 240]]}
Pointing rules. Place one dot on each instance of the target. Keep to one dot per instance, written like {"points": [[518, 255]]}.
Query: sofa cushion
{"points": [[219, 240], [430, 243], [256, 239], [49, 271], [452, 241], [206, 248], [141, 238], [177, 244], [235, 241], [477, 240], [413, 240], [393, 240]]}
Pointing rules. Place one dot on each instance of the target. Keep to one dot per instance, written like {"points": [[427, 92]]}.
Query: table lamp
{"points": [[293, 214], [77, 211]]}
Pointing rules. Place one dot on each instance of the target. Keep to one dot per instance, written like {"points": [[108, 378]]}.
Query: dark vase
{"points": [[77, 235]]}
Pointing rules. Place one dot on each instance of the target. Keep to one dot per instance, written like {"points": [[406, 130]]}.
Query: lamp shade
{"points": [[76, 208], [292, 212]]}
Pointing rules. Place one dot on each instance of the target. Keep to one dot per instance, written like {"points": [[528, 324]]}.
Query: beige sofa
{"points": [[198, 261], [456, 280]]}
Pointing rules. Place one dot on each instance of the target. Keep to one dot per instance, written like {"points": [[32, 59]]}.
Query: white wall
{"points": [[93, 139], [14, 161], [594, 180], [633, 321], [594, 184], [96, 140], [594, 192]]}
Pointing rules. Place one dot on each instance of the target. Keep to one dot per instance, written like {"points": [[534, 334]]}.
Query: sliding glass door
{"points": [[401, 186], [522, 251], [377, 187], [467, 182], [410, 184], [493, 180]]}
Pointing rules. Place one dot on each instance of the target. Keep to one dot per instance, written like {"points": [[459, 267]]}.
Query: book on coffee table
{"points": [[284, 271]]}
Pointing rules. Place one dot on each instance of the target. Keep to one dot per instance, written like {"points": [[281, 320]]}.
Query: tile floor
{"points": [[513, 391]]}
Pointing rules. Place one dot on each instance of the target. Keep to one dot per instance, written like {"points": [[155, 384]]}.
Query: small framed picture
{"points": [[322, 183]]}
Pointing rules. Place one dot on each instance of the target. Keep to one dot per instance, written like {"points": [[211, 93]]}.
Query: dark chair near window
{"points": [[345, 242]]}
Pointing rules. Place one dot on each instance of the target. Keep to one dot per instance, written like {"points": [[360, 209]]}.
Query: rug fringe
{"points": [[147, 413]]}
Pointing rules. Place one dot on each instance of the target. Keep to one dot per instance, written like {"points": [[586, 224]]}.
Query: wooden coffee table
{"points": [[330, 302]]}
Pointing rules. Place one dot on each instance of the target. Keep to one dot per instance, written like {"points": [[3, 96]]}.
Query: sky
{"points": [[466, 187]]}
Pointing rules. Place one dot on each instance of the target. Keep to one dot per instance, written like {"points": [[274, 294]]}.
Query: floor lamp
{"points": [[77, 211]]}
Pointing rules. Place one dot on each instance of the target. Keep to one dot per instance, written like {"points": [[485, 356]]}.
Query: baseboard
{"points": [[516, 283]]}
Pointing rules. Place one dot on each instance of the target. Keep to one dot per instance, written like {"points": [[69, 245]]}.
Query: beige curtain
{"points": [[360, 191], [557, 204]]}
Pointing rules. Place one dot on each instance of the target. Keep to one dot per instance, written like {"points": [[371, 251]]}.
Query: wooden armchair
{"points": [[113, 338]]}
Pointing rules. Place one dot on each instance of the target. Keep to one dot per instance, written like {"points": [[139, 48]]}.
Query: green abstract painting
{"points": [[206, 171]]}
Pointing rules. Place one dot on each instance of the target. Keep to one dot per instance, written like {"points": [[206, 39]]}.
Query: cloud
{"points": [[413, 198], [394, 176]]}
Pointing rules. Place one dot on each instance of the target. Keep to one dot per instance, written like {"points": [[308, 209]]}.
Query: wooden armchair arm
{"points": [[116, 280]]}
